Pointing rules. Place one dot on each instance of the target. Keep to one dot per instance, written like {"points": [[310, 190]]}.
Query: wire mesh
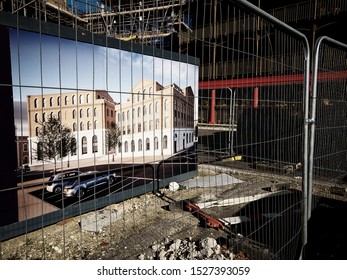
{"points": [[179, 134]]}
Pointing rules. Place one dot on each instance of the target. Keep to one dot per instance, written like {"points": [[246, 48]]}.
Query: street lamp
{"points": [[231, 120]]}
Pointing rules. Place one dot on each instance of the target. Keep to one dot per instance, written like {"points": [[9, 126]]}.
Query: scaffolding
{"points": [[146, 22]]}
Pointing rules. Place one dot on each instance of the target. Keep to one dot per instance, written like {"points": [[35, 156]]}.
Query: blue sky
{"points": [[46, 64]]}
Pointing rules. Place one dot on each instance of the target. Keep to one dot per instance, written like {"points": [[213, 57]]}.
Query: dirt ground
{"points": [[136, 224]]}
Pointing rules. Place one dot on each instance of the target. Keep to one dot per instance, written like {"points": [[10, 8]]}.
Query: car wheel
{"points": [[80, 193], [57, 189], [111, 180]]}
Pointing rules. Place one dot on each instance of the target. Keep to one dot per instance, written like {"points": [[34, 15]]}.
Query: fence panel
{"points": [[198, 109]]}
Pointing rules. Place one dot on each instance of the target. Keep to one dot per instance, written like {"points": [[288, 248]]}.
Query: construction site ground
{"points": [[129, 230]]}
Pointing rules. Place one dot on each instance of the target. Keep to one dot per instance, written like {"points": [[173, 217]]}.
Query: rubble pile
{"points": [[187, 249]]}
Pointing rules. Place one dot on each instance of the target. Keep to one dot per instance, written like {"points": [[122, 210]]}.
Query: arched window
{"points": [[25, 147], [166, 105], [126, 147], [84, 145], [88, 98], [44, 117], [81, 113], [95, 144], [144, 94], [156, 107], [156, 143], [66, 100], [81, 98], [58, 101], [88, 112], [165, 142], [95, 124], [95, 112], [37, 130], [144, 110], [74, 128], [119, 147], [43, 102], [59, 115], [148, 144], [128, 115], [81, 126], [35, 103], [139, 112], [150, 109], [139, 148], [88, 125], [74, 99], [39, 151], [132, 145], [36, 118], [51, 115], [138, 96], [74, 114], [51, 101], [150, 90], [73, 147]]}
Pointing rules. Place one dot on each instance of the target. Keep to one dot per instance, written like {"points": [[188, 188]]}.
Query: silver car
{"points": [[88, 181], [58, 181]]}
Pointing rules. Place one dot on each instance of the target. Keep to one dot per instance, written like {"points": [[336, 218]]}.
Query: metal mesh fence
{"points": [[152, 131]]}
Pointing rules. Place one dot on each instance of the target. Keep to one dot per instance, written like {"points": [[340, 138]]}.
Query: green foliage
{"points": [[55, 140], [113, 135]]}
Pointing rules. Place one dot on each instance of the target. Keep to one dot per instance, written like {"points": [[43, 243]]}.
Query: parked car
{"points": [[58, 181], [88, 181]]}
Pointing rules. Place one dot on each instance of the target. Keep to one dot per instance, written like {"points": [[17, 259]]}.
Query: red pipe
{"points": [[213, 105]]}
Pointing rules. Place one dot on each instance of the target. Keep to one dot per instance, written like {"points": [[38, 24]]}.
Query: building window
{"points": [[51, 115], [73, 147], [25, 160], [84, 145], [165, 142], [88, 125], [35, 103], [81, 113], [144, 126], [36, 118], [156, 123], [144, 110], [148, 145], [95, 124], [107, 112], [88, 98], [66, 100], [74, 114], [139, 127], [44, 117], [51, 102], [95, 112], [128, 129], [150, 125], [39, 151], [166, 122], [119, 147], [132, 145], [150, 109], [95, 144], [74, 127], [138, 96], [59, 115], [165, 104], [81, 99], [139, 112], [81, 126], [74, 99], [58, 101], [140, 145], [156, 143], [88, 112], [150, 90], [25, 147], [43, 102], [126, 147], [144, 94]]}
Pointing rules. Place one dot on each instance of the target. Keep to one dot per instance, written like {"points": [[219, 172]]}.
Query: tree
{"points": [[112, 137], [55, 140]]}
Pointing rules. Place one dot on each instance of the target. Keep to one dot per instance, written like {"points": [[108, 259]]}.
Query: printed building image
{"points": [[22, 150], [156, 120], [87, 113]]}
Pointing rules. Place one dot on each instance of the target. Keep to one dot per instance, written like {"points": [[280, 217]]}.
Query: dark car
{"points": [[88, 181]]}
